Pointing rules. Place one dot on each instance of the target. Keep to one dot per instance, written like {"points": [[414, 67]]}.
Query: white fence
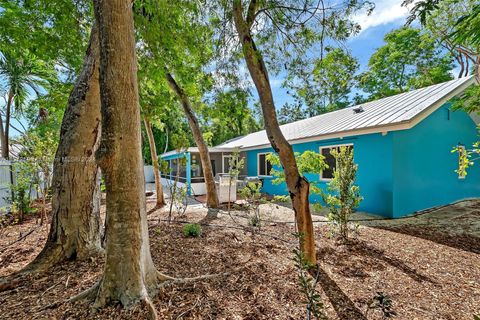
{"points": [[148, 172], [6, 178]]}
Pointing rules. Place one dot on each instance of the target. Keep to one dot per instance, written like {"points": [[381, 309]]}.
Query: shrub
{"points": [[307, 284], [20, 190], [344, 196], [254, 221], [382, 302], [192, 230], [308, 162], [253, 198]]}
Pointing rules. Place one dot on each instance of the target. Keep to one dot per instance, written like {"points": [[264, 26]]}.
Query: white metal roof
{"points": [[398, 112], [14, 150], [195, 149]]}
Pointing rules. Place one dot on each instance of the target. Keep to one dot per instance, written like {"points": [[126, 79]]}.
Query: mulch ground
{"points": [[426, 277]]}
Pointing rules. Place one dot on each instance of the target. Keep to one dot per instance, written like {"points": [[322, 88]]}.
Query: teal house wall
{"points": [[401, 172], [373, 153], [424, 166]]}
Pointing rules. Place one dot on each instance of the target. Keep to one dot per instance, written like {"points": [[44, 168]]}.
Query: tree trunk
{"points": [[4, 131], [129, 274], [212, 198], [156, 170], [6, 138], [75, 228], [298, 186]]}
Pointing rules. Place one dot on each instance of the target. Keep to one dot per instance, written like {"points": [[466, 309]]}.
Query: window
{"points": [[327, 174], [226, 164], [264, 166], [195, 166]]}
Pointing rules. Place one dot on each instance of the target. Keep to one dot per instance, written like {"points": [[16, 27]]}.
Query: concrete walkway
{"points": [[150, 187]]}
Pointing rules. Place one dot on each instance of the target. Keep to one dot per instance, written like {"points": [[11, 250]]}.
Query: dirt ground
{"points": [[429, 265]]}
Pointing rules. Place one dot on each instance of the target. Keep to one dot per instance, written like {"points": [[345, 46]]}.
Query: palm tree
{"points": [[20, 74]]}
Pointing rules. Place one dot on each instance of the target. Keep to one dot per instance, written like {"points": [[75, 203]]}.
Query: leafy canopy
{"points": [[21, 73], [322, 84], [308, 162], [410, 59]]}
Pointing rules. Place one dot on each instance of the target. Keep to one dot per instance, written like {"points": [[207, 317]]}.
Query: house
{"points": [[190, 174], [402, 145]]}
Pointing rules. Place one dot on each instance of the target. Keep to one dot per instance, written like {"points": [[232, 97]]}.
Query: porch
{"points": [[185, 167]]}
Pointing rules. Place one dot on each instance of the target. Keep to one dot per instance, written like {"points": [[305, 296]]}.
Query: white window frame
{"points": [[258, 164], [330, 147]]}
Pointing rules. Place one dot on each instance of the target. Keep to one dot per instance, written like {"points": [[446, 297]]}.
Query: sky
{"points": [[387, 16]]}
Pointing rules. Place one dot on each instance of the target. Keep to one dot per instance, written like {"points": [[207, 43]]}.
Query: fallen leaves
{"points": [[426, 276]]}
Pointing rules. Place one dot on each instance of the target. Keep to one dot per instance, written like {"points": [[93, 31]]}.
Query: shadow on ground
{"points": [[465, 242], [344, 307], [357, 260]]}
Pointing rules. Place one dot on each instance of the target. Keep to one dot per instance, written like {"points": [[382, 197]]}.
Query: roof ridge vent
{"points": [[358, 110]]}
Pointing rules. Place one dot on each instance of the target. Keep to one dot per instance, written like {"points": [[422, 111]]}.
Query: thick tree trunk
{"points": [[129, 275], [156, 170], [212, 198], [75, 227], [4, 131], [297, 185]]}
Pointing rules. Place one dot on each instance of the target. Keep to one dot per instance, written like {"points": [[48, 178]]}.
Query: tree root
{"points": [[52, 255], [2, 249], [47, 259], [164, 281], [10, 284], [88, 294], [152, 312], [173, 281], [163, 277]]}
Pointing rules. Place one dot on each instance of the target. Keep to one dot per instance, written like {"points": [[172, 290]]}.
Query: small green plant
{"points": [[180, 200], [37, 156], [192, 230], [178, 195], [235, 166], [253, 198], [466, 158], [281, 198], [382, 302], [344, 196], [20, 191], [313, 303], [254, 221], [476, 317]]}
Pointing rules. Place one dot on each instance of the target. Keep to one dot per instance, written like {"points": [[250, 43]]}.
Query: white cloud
{"points": [[276, 82], [385, 12]]}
